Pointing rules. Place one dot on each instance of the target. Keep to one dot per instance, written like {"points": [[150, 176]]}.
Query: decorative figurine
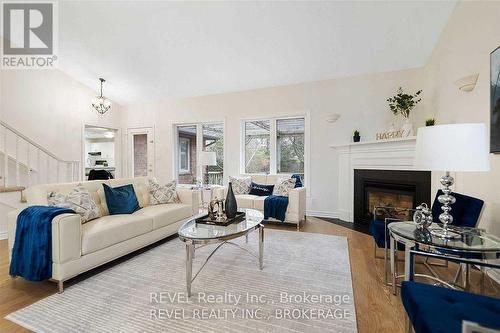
{"points": [[423, 216], [216, 213]]}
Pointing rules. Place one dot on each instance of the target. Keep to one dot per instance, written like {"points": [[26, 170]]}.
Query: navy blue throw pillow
{"points": [[298, 180], [121, 200], [261, 190]]}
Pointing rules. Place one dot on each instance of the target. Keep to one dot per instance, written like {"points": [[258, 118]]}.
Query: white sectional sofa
{"points": [[78, 247], [296, 210]]}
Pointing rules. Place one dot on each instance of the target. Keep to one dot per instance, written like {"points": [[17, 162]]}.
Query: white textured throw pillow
{"points": [[79, 200], [162, 194], [283, 186], [241, 185]]}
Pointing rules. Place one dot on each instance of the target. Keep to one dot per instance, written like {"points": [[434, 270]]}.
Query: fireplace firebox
{"points": [[389, 188]]}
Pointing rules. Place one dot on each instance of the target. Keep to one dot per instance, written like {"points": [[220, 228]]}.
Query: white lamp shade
{"points": [[208, 158], [453, 147]]}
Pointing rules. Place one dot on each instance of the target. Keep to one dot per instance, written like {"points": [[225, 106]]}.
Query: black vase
{"points": [[231, 205], [356, 138]]}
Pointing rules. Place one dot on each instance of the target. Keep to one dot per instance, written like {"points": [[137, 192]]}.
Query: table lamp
{"points": [[208, 158], [453, 147]]}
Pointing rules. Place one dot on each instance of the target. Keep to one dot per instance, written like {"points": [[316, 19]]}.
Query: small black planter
{"points": [[356, 138], [231, 205]]}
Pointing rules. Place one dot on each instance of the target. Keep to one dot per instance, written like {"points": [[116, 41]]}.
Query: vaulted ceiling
{"points": [[156, 50]]}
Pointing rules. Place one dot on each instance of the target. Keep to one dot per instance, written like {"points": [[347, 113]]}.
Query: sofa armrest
{"points": [[11, 229], [190, 197], [297, 201], [66, 236]]}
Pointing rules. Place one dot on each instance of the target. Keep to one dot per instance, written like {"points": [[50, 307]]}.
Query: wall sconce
{"points": [[332, 117], [467, 83]]}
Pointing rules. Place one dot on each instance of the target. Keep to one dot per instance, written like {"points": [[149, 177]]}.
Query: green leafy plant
{"points": [[356, 133], [430, 122], [403, 103]]}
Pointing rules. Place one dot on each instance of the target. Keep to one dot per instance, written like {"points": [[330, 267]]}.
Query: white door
{"points": [[141, 152]]}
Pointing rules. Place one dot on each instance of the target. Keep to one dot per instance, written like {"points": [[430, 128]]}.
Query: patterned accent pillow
{"points": [[283, 186], [162, 194], [241, 185], [79, 200]]}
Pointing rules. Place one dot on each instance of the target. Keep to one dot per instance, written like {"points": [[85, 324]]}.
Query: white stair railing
{"points": [[28, 170]]}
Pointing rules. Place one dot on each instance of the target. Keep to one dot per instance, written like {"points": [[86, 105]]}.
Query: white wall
{"points": [[361, 101], [472, 32], [50, 108]]}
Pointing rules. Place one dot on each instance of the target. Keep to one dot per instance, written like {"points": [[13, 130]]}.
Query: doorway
{"points": [[141, 152], [100, 150]]}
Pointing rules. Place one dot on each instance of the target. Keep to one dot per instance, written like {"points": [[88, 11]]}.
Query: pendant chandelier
{"points": [[101, 104]]}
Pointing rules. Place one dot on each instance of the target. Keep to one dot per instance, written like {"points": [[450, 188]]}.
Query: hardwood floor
{"points": [[377, 310]]}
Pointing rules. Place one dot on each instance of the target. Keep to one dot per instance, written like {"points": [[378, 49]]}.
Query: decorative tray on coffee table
{"points": [[206, 220]]}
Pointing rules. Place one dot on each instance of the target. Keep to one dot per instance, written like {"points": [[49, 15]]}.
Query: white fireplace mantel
{"points": [[382, 155]]}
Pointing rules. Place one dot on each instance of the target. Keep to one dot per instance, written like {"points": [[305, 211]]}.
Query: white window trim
{"points": [[273, 140], [188, 155]]}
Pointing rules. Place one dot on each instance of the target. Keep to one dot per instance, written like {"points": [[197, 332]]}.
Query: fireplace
{"points": [[390, 188]]}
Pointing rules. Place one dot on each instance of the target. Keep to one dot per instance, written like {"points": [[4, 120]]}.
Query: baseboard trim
{"points": [[319, 213], [3, 235]]}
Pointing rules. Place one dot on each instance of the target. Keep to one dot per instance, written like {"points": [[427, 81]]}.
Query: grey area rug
{"points": [[305, 286]]}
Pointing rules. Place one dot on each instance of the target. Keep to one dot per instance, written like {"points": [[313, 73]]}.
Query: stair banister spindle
{"points": [[58, 171], [5, 158], [47, 171], [28, 164], [38, 166], [16, 160]]}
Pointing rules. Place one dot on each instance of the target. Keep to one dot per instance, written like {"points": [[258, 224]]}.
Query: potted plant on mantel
{"points": [[402, 104], [356, 136]]}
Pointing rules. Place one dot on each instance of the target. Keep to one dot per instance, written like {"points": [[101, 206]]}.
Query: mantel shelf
{"points": [[410, 138]]}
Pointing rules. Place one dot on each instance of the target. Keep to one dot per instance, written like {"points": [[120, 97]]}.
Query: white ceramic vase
{"points": [[407, 128]]}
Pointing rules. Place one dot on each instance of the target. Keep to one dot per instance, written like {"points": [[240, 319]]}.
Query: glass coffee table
{"points": [[193, 234]]}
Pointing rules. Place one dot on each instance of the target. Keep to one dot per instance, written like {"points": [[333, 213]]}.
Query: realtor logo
{"points": [[29, 35]]}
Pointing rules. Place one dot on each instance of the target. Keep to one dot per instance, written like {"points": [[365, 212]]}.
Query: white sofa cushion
{"points": [[112, 229], [165, 214], [258, 203], [245, 200]]}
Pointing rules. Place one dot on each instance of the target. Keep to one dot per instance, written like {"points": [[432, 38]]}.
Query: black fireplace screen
{"points": [[389, 188], [390, 204]]}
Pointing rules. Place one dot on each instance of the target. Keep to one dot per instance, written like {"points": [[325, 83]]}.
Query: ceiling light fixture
{"points": [[101, 104]]}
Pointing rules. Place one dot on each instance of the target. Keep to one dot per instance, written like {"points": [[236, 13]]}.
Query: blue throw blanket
{"points": [[32, 251], [275, 206]]}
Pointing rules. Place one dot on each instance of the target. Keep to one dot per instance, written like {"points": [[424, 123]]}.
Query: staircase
{"points": [[24, 163]]}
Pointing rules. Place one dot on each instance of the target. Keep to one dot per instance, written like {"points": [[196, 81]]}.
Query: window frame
{"points": [[273, 143], [199, 144], [188, 156]]}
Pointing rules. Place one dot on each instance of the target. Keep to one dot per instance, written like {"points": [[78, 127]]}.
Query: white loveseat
{"points": [[78, 247], [296, 210]]}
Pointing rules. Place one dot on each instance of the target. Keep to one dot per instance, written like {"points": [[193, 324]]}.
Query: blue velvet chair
{"points": [[432, 309], [465, 211]]}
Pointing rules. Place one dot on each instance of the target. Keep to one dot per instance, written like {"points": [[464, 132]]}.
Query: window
{"points": [[274, 146], [257, 144], [184, 146], [213, 141], [192, 140], [290, 145]]}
